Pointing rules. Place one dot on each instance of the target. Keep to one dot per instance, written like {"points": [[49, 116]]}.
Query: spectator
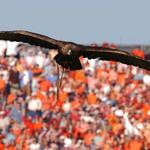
{"points": [[25, 81], [14, 78]]}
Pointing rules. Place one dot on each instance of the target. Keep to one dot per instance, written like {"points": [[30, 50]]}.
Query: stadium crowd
{"points": [[106, 106]]}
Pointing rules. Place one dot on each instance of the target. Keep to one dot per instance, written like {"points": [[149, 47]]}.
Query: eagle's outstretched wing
{"points": [[71, 60], [114, 55], [31, 38]]}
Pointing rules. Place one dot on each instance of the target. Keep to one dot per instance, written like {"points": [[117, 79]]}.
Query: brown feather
{"points": [[71, 59], [116, 55], [31, 38]]}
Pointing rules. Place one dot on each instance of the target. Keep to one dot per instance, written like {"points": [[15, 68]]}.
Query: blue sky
{"points": [[81, 21]]}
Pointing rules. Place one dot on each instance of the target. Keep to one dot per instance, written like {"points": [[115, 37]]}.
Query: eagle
{"points": [[67, 54]]}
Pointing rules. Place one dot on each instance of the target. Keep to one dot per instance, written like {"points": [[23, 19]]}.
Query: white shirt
{"points": [[12, 61], [4, 122], [34, 146], [66, 107], [129, 128], [25, 78], [30, 60], [39, 59], [146, 79], [11, 48], [35, 104], [5, 75], [3, 46]]}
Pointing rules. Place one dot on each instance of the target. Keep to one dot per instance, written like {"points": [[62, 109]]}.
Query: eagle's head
{"points": [[67, 48]]}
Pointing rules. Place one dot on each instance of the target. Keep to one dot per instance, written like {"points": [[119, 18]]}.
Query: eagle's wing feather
{"points": [[31, 38], [114, 55]]}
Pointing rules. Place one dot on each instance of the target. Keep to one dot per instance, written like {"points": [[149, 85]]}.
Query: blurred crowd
{"points": [[105, 106]]}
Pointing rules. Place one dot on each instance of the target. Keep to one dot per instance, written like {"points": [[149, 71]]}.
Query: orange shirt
{"points": [[121, 79], [80, 76], [63, 96], [88, 138], [11, 97], [106, 147], [41, 96], [71, 74], [29, 125], [2, 146], [2, 84], [117, 127], [37, 71], [46, 104], [59, 103], [102, 73], [80, 90], [145, 109], [75, 104], [37, 125], [45, 85], [111, 119], [91, 98], [135, 145]]}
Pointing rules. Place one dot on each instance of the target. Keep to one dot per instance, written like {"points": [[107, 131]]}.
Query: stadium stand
{"points": [[105, 106]]}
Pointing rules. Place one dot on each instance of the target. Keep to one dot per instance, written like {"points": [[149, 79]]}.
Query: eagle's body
{"points": [[69, 52]]}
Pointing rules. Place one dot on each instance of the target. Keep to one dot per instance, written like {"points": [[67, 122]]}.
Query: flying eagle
{"points": [[68, 53]]}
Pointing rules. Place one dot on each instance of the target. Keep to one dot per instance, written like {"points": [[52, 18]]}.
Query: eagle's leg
{"points": [[59, 80]]}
